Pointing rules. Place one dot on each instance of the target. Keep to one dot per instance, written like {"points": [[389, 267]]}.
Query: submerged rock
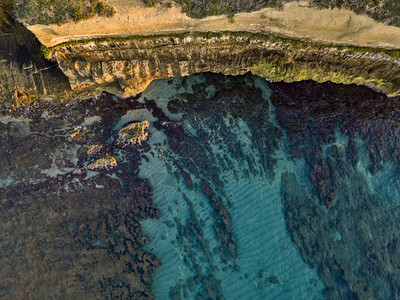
{"points": [[92, 150], [133, 134], [104, 163]]}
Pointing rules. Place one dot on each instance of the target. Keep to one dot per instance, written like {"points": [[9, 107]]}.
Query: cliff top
{"points": [[295, 20]]}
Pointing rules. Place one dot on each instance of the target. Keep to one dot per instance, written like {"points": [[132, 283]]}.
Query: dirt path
{"points": [[295, 20]]}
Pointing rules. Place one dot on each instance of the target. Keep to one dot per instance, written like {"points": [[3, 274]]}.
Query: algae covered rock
{"points": [[78, 134], [103, 163], [93, 150], [133, 134]]}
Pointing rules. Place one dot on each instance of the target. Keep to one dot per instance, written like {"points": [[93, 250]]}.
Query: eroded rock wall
{"points": [[133, 63], [23, 68]]}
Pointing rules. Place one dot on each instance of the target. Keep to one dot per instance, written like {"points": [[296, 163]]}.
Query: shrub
{"points": [[60, 11], [387, 11]]}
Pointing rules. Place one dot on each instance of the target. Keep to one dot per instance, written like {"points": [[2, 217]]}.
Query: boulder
{"points": [[133, 134]]}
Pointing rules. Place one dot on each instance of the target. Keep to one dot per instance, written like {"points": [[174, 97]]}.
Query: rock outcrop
{"points": [[130, 64], [104, 163], [133, 134]]}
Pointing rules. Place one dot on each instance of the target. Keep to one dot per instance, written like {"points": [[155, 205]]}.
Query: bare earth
{"points": [[295, 20]]}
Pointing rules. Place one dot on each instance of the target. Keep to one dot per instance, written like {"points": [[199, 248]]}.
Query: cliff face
{"points": [[131, 64], [23, 68]]}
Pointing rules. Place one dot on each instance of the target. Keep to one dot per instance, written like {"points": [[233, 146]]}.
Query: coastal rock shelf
{"points": [[130, 64]]}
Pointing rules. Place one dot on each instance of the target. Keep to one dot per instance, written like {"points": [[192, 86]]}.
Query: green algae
{"points": [[274, 72]]}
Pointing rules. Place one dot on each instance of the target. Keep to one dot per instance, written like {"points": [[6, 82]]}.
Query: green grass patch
{"points": [[45, 51]]}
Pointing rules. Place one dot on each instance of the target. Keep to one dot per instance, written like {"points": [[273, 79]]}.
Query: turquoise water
{"points": [[268, 264], [244, 190], [275, 224]]}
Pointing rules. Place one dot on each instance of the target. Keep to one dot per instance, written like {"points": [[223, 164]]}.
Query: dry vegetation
{"points": [[60, 11], [205, 8], [386, 11], [6, 18]]}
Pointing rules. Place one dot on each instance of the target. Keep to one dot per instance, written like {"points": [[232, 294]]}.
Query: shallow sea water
{"points": [[244, 190], [268, 265], [269, 262]]}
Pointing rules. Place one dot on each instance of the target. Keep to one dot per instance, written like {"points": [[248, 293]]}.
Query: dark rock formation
{"points": [[353, 245], [65, 234]]}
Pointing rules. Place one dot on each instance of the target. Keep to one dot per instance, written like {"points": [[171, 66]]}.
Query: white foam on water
{"points": [[162, 92], [6, 182], [90, 174], [386, 183]]}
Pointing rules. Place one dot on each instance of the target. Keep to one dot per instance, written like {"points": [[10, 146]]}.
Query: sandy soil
{"points": [[295, 20]]}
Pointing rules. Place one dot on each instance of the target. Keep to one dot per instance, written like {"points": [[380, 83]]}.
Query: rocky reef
{"points": [[132, 63], [353, 244], [282, 173], [70, 224], [331, 149]]}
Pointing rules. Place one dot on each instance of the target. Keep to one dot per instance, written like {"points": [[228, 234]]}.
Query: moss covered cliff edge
{"points": [[127, 65]]}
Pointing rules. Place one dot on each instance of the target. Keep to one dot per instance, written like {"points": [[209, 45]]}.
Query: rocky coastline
{"points": [[125, 64], [73, 197]]}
